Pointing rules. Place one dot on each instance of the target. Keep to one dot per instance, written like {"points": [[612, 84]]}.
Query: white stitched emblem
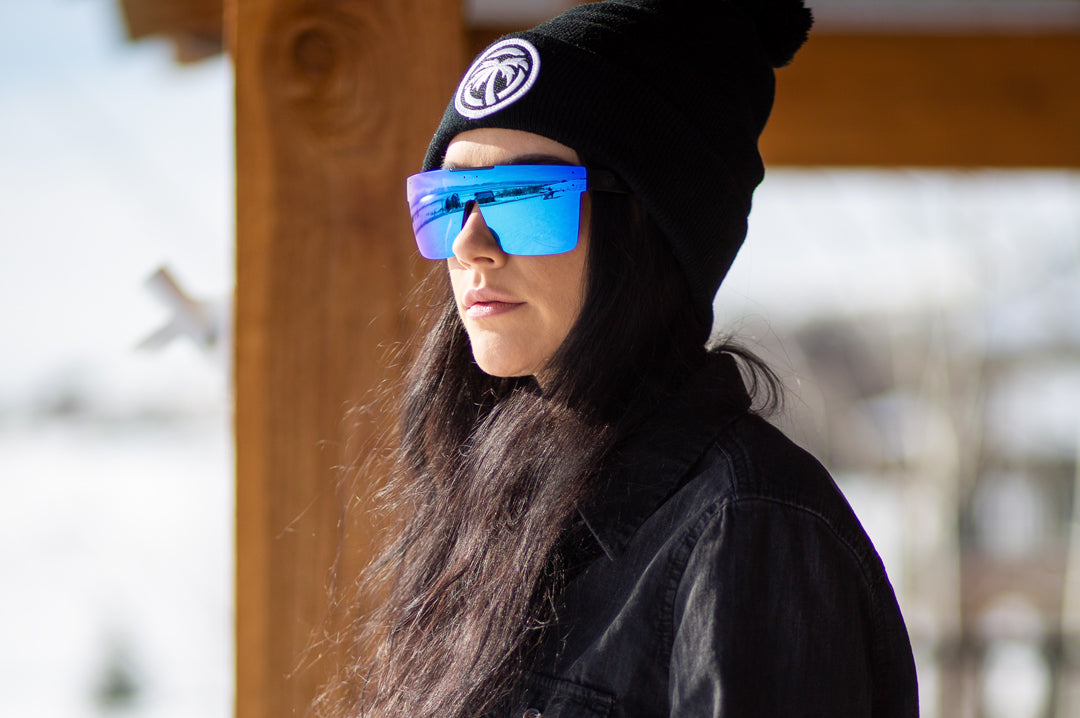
{"points": [[499, 77]]}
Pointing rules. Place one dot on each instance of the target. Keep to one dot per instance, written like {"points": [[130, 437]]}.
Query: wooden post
{"points": [[335, 103]]}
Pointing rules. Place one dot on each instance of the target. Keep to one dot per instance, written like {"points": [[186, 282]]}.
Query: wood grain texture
{"points": [[888, 100], [335, 103]]}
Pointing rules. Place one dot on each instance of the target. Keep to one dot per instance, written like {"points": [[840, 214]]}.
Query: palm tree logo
{"points": [[500, 76]]}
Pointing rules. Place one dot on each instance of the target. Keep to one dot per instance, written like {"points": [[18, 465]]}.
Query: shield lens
{"points": [[531, 209]]}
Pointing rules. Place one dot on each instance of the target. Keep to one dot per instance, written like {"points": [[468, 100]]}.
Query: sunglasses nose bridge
{"points": [[467, 211], [477, 243]]}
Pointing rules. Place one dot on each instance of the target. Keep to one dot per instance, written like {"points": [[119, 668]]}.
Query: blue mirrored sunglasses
{"points": [[530, 209]]}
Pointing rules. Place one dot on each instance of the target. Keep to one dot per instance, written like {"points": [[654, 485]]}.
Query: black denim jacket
{"points": [[732, 579]]}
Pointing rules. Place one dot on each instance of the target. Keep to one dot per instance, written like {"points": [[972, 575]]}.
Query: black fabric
{"points": [[730, 578], [672, 95]]}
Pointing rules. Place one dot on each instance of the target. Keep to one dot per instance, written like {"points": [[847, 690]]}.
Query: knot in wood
{"points": [[326, 73], [314, 53]]}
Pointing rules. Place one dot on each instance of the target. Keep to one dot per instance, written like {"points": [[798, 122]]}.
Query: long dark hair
{"points": [[490, 472]]}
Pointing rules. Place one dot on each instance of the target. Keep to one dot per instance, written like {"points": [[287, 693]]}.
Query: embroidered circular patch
{"points": [[499, 77]]}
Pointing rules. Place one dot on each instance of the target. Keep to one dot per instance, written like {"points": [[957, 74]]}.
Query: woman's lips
{"points": [[485, 310], [484, 303]]}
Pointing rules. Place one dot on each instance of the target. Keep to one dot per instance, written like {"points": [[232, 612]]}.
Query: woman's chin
{"points": [[500, 369], [503, 364]]}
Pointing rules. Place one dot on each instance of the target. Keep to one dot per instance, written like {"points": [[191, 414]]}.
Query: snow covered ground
{"points": [[115, 464], [115, 548]]}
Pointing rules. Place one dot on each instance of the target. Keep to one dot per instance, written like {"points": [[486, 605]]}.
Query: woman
{"points": [[597, 522]]}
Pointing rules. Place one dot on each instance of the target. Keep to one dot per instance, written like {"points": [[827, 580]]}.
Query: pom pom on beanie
{"points": [[782, 25]]}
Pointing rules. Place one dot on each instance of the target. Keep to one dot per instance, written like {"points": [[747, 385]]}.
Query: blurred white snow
{"points": [[115, 465]]}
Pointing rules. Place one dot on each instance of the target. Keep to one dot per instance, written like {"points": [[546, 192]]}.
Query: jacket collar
{"points": [[652, 461]]}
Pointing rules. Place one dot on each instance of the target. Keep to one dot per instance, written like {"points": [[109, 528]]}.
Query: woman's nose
{"points": [[476, 244]]}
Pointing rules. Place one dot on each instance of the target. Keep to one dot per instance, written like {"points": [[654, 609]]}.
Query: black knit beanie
{"points": [[671, 95]]}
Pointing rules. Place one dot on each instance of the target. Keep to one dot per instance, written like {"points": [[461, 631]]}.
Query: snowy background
{"points": [[115, 463]]}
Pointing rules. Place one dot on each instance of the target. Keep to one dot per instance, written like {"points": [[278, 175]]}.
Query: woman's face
{"points": [[516, 309]]}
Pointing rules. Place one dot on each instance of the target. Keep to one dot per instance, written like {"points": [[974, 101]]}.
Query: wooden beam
{"points": [[929, 100], [920, 99], [194, 26], [335, 103], [172, 17]]}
